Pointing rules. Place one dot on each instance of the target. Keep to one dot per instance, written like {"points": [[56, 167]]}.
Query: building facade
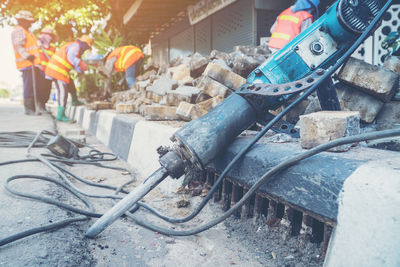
{"points": [[204, 25]]}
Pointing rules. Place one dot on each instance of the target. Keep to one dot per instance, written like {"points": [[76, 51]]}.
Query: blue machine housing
{"points": [[287, 65], [320, 46]]}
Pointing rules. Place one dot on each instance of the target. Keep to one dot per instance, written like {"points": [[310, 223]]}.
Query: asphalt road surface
{"points": [[235, 242]]}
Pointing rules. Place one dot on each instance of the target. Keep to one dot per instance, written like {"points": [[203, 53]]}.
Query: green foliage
{"points": [[4, 93], [105, 43], [69, 18]]}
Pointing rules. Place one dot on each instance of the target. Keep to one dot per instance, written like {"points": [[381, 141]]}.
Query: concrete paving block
{"points": [[121, 135], [182, 93], [392, 63], [179, 72], [212, 88], [324, 126], [224, 76], [184, 110], [146, 75], [374, 80], [218, 55], [198, 64], [94, 120], [244, 65], [143, 156], [104, 126], [142, 85], [389, 117], [161, 86], [79, 114], [125, 107], [87, 116], [367, 230], [355, 100], [99, 105], [68, 111], [72, 112], [159, 112]]}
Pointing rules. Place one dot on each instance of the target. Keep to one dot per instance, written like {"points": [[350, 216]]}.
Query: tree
{"points": [[69, 18]]}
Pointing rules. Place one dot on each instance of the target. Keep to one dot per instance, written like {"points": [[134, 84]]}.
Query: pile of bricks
{"points": [[189, 86], [368, 95]]}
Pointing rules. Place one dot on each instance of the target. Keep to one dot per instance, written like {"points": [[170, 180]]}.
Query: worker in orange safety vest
{"points": [[46, 39], [66, 58], [291, 22], [125, 58], [26, 52]]}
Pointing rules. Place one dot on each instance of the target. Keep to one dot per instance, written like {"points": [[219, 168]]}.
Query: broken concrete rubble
{"points": [[198, 64], [324, 126], [355, 100], [212, 88], [389, 117], [374, 80], [190, 86], [158, 112], [224, 76]]}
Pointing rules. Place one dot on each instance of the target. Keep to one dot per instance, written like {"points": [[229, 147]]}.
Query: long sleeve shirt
{"points": [[73, 57], [18, 40]]}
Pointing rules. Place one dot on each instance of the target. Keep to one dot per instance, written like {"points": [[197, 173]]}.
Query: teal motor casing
{"points": [[320, 46]]}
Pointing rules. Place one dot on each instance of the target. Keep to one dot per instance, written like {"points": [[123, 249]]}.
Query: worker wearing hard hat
{"points": [[291, 22], [125, 58], [26, 51], [66, 58], [46, 39]]}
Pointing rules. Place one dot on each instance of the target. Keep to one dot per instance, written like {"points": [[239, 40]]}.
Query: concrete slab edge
{"points": [[136, 141]]}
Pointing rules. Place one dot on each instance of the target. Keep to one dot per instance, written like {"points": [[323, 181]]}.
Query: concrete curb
{"points": [[313, 186]]}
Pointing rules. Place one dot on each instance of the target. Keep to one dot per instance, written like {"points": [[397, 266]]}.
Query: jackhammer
{"points": [[304, 65]]}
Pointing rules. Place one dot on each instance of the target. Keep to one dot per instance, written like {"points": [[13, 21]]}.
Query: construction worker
{"points": [[66, 58], [291, 22], [125, 58], [26, 52], [46, 39]]}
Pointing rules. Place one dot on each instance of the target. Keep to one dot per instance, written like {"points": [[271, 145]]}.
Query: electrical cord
{"points": [[269, 125], [94, 157], [91, 159], [268, 176]]}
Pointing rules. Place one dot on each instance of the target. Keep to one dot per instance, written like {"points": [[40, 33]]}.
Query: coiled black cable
{"points": [[94, 157]]}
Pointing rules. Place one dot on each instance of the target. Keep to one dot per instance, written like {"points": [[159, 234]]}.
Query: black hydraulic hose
{"points": [[50, 200], [269, 175], [268, 126], [94, 158], [44, 228], [266, 177]]}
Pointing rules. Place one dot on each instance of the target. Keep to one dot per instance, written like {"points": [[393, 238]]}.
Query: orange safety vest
{"points": [[59, 66], [287, 27], [31, 47], [126, 57], [44, 58]]}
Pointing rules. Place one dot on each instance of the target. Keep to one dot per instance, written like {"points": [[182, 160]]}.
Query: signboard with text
{"points": [[205, 8]]}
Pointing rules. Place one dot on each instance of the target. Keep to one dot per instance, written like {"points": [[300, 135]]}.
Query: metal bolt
{"points": [[312, 67], [257, 72], [296, 48]]}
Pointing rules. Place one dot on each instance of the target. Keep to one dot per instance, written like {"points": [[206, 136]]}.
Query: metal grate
{"points": [[182, 44], [232, 26], [390, 23], [316, 230], [203, 36]]}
